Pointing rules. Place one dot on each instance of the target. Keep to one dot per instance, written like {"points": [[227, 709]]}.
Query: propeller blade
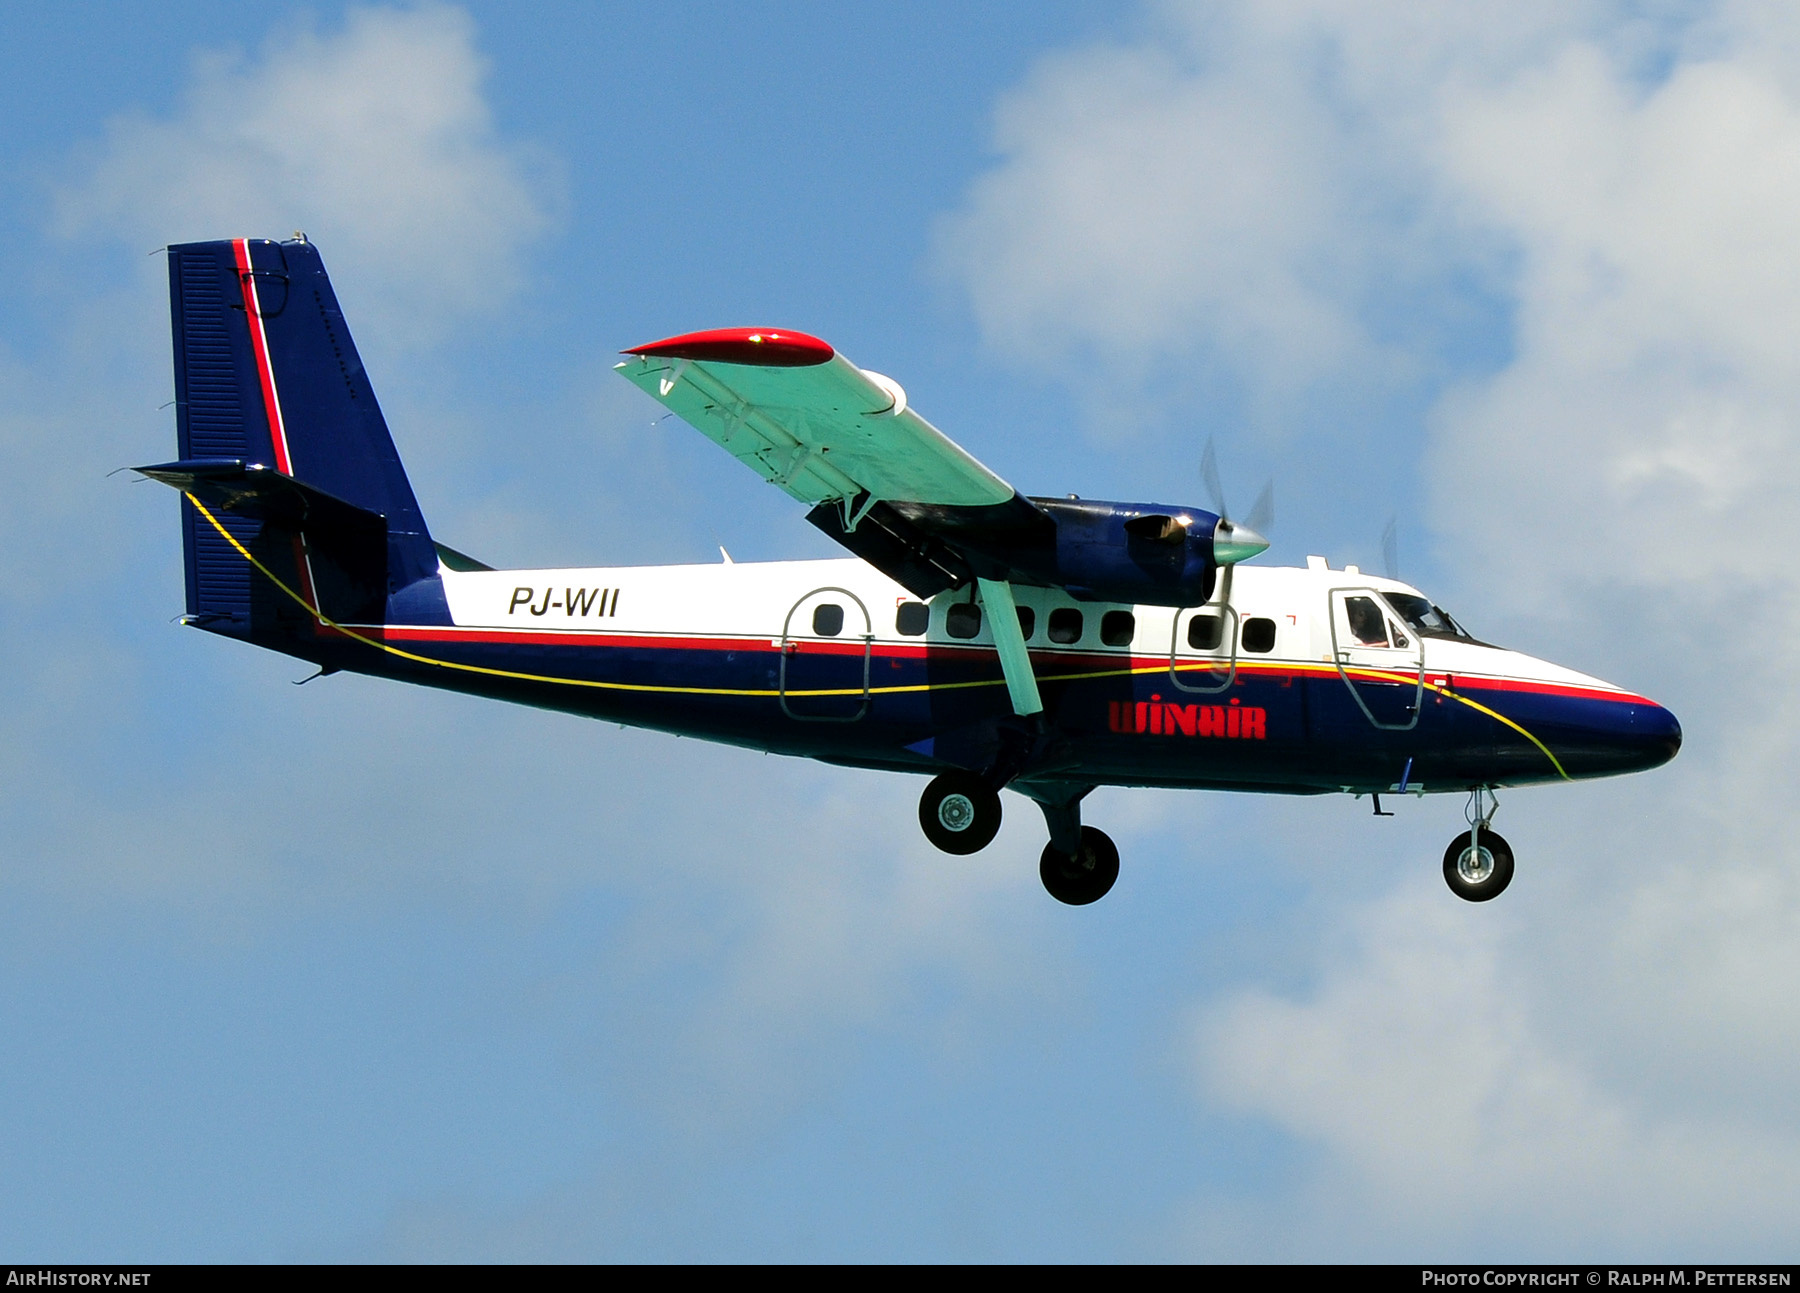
{"points": [[1390, 548], [1209, 473], [1262, 513], [1234, 541]]}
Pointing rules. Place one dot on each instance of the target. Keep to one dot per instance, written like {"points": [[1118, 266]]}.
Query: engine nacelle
{"points": [[1099, 551], [1128, 552]]}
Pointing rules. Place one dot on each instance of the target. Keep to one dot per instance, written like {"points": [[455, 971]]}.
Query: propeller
{"points": [[1390, 549], [1235, 541]]}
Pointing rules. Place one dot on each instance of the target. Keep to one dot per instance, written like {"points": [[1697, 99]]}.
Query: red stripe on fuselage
{"points": [[259, 344], [1463, 682], [1047, 661]]}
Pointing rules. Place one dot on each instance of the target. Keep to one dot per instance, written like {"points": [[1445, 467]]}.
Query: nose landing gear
{"points": [[1478, 865]]}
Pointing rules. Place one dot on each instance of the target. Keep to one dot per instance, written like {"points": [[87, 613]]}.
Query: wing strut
{"points": [[1015, 660]]}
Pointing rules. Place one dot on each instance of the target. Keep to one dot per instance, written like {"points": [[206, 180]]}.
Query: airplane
{"points": [[974, 635]]}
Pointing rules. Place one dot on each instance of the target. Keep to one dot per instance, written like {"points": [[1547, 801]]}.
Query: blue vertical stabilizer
{"points": [[268, 381]]}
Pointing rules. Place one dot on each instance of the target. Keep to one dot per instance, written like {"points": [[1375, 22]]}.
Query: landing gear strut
{"points": [[1080, 863], [960, 812], [1478, 865]]}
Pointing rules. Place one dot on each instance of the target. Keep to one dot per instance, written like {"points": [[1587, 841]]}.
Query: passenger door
{"points": [[827, 642], [1203, 649]]}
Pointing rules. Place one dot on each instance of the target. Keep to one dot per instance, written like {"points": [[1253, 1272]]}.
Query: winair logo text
{"points": [[600, 603], [1235, 721]]}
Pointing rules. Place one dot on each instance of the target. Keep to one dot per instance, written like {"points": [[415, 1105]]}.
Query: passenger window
{"points": [[828, 619], [912, 619], [1205, 632], [1117, 628], [1027, 622], [962, 620], [1065, 625], [1259, 635]]}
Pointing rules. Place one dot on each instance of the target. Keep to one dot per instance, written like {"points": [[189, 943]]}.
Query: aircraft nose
{"points": [[1657, 735], [1627, 738]]}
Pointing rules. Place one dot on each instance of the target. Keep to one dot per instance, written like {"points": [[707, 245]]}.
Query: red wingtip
{"points": [[765, 347]]}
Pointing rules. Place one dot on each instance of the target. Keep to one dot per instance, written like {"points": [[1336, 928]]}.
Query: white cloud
{"points": [[1137, 204], [1267, 188], [1455, 1125], [1230, 194], [377, 140], [1647, 420]]}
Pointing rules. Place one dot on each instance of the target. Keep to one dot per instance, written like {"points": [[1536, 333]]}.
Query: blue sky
{"points": [[352, 971]]}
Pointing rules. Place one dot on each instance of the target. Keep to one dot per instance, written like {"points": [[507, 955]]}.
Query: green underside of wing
{"points": [[819, 433]]}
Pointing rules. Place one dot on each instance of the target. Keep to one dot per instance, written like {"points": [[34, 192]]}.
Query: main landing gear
{"points": [[1478, 865], [960, 813], [1083, 876]]}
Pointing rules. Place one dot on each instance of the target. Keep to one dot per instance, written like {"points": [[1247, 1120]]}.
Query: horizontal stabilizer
{"points": [[268, 516], [263, 492]]}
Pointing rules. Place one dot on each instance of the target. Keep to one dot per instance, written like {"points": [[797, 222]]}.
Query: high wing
{"points": [[877, 477], [818, 426]]}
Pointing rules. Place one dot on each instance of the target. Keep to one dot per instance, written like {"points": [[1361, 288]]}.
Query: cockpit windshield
{"points": [[1430, 621]]}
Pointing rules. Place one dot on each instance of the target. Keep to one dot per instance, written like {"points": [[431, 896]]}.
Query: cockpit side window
{"points": [[1367, 624]]}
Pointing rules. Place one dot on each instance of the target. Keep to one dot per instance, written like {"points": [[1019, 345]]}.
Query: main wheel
{"points": [[1085, 877], [1478, 874], [960, 813]]}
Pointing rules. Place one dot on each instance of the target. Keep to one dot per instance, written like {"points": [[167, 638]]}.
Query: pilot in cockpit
{"points": [[1365, 621]]}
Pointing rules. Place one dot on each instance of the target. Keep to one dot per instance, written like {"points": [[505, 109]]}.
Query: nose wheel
{"points": [[1478, 869], [1478, 865]]}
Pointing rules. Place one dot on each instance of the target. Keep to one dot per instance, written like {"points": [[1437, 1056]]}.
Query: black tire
{"points": [[1087, 876], [1474, 887], [959, 813]]}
